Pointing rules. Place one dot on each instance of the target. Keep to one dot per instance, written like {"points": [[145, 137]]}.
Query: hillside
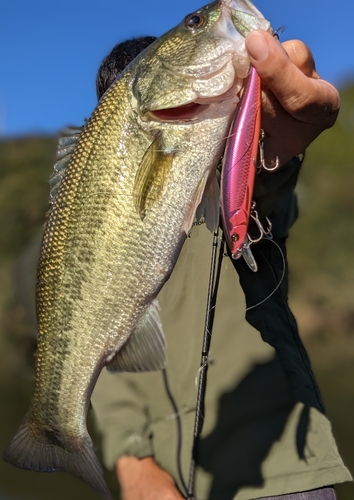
{"points": [[322, 241]]}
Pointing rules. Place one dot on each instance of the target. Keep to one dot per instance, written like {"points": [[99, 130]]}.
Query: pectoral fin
{"points": [[145, 350], [151, 176]]}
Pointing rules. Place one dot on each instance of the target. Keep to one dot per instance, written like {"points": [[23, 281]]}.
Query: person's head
{"points": [[121, 55]]}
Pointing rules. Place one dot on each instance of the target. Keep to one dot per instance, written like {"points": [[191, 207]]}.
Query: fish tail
{"points": [[27, 451]]}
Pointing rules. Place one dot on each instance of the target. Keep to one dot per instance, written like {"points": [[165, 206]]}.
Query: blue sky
{"points": [[50, 51]]}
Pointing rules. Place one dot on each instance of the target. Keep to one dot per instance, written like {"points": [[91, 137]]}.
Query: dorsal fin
{"points": [[66, 145], [151, 176]]}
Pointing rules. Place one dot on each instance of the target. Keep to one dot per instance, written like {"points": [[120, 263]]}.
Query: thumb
{"points": [[308, 99]]}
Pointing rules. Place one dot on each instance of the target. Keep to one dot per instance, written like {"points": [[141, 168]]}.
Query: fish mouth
{"points": [[195, 110], [197, 90], [202, 102], [186, 112]]}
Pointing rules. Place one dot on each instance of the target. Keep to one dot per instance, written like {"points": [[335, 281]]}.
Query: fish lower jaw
{"points": [[185, 113], [232, 93], [197, 109]]}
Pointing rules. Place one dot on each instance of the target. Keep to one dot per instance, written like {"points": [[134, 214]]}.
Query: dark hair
{"points": [[121, 55]]}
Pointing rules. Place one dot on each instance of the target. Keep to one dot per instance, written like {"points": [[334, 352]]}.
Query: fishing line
{"points": [[202, 372], [279, 31], [201, 378], [280, 281], [196, 380], [177, 415]]}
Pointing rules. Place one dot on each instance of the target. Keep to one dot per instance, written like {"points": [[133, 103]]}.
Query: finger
{"points": [[300, 55], [310, 100]]}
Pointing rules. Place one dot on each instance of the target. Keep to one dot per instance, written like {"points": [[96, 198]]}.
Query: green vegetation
{"points": [[321, 260], [322, 287], [322, 241]]}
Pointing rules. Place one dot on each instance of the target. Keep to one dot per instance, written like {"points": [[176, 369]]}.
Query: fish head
{"points": [[201, 61]]}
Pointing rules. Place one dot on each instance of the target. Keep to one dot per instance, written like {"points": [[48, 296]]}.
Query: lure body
{"points": [[239, 169]]}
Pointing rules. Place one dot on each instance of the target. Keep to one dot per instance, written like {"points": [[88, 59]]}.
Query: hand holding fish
{"points": [[297, 104]]}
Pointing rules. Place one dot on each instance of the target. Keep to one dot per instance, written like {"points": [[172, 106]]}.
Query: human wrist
{"points": [[131, 477], [144, 479], [127, 462]]}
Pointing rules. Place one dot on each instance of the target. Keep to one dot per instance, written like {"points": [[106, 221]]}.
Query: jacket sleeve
{"points": [[275, 198], [266, 291], [122, 417]]}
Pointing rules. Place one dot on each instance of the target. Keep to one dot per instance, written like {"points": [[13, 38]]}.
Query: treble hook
{"points": [[262, 163], [278, 32], [263, 232]]}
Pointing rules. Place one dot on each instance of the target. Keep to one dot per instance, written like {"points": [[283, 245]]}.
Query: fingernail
{"points": [[257, 46]]}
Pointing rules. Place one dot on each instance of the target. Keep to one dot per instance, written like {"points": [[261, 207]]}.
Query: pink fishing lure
{"points": [[239, 167]]}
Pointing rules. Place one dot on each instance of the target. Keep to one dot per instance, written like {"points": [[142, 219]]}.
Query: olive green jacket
{"points": [[265, 432]]}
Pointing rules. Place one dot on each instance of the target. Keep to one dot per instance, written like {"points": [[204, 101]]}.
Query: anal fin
{"points": [[209, 207], [145, 350]]}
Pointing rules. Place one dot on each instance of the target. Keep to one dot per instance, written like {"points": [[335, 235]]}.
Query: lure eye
{"points": [[194, 21]]}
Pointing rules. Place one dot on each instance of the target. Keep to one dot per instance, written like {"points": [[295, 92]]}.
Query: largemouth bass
{"points": [[121, 208]]}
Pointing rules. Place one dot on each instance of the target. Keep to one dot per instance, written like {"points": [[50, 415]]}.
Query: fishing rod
{"points": [[214, 279], [237, 179]]}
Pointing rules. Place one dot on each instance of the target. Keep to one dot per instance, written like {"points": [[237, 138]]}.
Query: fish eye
{"points": [[194, 21]]}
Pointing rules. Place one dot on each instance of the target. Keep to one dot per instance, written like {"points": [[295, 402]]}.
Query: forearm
{"points": [[121, 416]]}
